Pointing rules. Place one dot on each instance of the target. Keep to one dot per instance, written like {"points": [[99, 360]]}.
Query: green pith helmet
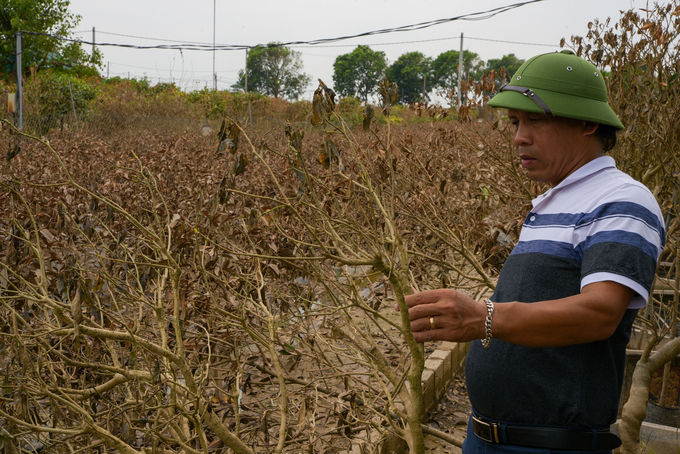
{"points": [[559, 84]]}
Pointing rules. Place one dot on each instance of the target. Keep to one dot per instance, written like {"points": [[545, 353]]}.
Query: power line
{"points": [[510, 42], [482, 15], [453, 38], [147, 38], [184, 46], [319, 43], [396, 43], [345, 45], [303, 45], [169, 70]]}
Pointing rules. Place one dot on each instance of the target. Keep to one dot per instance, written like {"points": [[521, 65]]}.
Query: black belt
{"points": [[546, 437]]}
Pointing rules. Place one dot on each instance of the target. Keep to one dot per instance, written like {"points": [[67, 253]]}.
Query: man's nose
{"points": [[522, 136]]}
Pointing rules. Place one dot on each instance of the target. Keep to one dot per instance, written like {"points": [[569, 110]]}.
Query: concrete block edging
{"points": [[441, 366]]}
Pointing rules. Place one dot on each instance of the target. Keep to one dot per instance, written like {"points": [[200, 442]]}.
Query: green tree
{"points": [[445, 71], [39, 51], [412, 73], [445, 68], [359, 72], [274, 70], [511, 64]]}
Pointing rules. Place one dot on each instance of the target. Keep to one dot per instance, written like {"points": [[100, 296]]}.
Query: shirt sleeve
{"points": [[621, 241]]}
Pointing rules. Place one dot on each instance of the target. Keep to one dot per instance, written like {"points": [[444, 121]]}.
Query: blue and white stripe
{"points": [[606, 206]]}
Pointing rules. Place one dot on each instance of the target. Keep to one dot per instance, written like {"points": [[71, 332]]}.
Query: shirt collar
{"points": [[579, 174]]}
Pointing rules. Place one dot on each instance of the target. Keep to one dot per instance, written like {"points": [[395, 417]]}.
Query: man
{"points": [[557, 325]]}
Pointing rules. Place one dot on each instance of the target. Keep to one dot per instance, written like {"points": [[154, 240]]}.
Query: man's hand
{"points": [[589, 316], [456, 316]]}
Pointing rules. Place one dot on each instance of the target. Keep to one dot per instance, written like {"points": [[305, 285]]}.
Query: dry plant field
{"points": [[222, 278], [186, 291]]}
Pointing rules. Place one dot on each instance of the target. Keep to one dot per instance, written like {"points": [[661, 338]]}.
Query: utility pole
{"points": [[20, 104], [424, 82], [460, 72], [250, 113], [214, 28], [93, 41]]}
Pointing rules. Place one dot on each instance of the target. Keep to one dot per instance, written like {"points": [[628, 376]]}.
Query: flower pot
{"points": [[666, 416]]}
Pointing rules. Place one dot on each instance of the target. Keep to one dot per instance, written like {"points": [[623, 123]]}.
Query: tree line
{"points": [[273, 70], [44, 17], [276, 70]]}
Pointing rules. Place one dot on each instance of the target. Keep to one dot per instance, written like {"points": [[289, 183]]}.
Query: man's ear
{"points": [[589, 127]]}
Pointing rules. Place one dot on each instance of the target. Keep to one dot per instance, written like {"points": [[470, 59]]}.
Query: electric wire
{"points": [[319, 43], [170, 70], [147, 38], [481, 15], [396, 43], [451, 38]]}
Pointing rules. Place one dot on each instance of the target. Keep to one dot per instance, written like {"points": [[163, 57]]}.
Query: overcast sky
{"points": [[525, 31]]}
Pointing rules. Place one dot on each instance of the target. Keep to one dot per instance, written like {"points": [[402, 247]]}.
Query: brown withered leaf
{"points": [[13, 150], [302, 416], [228, 136], [252, 220], [297, 166], [288, 130], [328, 153], [240, 165], [597, 55], [294, 137], [323, 158], [224, 189], [222, 133], [323, 104], [389, 94]]}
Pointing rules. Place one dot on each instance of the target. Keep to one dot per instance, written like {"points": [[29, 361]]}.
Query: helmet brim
{"points": [[561, 105]]}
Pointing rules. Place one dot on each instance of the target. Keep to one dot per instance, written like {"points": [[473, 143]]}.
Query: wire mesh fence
{"points": [[58, 103]]}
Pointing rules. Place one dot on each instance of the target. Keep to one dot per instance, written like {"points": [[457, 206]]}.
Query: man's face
{"points": [[551, 148]]}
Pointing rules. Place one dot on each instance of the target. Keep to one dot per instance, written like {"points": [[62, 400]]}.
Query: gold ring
{"points": [[432, 323]]}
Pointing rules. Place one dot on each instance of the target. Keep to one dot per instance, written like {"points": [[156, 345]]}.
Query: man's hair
{"points": [[607, 136]]}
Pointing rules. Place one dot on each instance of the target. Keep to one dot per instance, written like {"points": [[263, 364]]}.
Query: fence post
{"points": [[73, 104], [460, 73], [20, 104], [250, 112]]}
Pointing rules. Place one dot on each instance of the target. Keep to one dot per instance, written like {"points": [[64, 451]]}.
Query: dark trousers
{"points": [[475, 445]]}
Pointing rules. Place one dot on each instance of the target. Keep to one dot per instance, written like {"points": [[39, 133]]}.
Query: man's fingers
{"points": [[428, 335], [417, 299], [418, 302], [427, 297], [424, 311], [423, 324]]}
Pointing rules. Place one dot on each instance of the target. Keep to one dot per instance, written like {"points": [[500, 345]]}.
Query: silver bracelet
{"points": [[489, 307]]}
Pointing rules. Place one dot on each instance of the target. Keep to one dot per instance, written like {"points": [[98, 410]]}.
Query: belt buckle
{"points": [[487, 431]]}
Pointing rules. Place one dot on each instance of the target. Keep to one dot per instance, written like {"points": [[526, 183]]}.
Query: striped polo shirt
{"points": [[603, 219], [597, 225]]}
